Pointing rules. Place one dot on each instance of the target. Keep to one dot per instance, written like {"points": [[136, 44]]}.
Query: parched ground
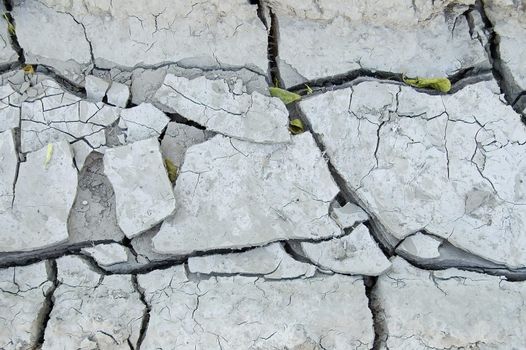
{"points": [[153, 195]]}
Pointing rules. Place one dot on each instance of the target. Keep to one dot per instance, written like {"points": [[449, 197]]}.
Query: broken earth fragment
{"points": [[102, 312], [44, 196], [356, 253], [252, 313], [296, 126], [142, 122], [107, 254], [118, 94], [452, 165], [349, 215], [215, 33], [177, 139], [8, 169], [420, 246], [325, 39], [96, 88], [9, 110], [439, 84], [449, 309], [271, 261], [143, 192], [233, 194], [53, 114], [284, 95], [224, 106], [23, 292]]}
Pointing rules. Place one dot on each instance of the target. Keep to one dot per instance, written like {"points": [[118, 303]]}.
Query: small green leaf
{"points": [[309, 89], [49, 154], [10, 26], [439, 84], [171, 169], [284, 95], [296, 126]]}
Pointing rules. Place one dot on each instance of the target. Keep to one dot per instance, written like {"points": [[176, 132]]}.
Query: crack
{"points": [[460, 79], [198, 296], [199, 103], [92, 57], [344, 233], [146, 126], [175, 117], [433, 278], [89, 42], [379, 328], [8, 5], [173, 260], [88, 259], [378, 134], [493, 44], [518, 102], [126, 242], [295, 253], [22, 258], [137, 267], [66, 84], [18, 148], [199, 276], [504, 79], [45, 311], [178, 64], [457, 258], [73, 137], [127, 269], [12, 259], [272, 51], [261, 11], [387, 249], [109, 336], [147, 310], [12, 34]]}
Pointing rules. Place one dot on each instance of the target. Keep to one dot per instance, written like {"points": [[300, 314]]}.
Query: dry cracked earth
{"points": [[396, 220]]}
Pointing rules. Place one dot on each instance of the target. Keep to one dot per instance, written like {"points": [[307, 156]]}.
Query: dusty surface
{"points": [[153, 197], [414, 303]]}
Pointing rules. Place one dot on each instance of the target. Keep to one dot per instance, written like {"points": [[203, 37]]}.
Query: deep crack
{"points": [[272, 51], [49, 302], [380, 330], [466, 76], [12, 33], [146, 315], [504, 79]]}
